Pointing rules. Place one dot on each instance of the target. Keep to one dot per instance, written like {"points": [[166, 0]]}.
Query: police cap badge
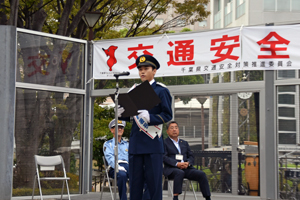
{"points": [[120, 123], [144, 60]]}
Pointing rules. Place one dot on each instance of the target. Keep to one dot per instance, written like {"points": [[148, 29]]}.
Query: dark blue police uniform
{"points": [[146, 154]]}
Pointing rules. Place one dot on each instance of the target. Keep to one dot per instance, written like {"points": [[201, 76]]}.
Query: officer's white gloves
{"points": [[121, 168], [120, 111], [144, 114]]}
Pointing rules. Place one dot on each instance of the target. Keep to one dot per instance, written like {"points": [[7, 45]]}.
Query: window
{"points": [[296, 5], [269, 5], [286, 112], [287, 138], [240, 8], [159, 22], [287, 116], [203, 23], [286, 99], [282, 5], [287, 125], [218, 5], [217, 20], [228, 14], [285, 74]]}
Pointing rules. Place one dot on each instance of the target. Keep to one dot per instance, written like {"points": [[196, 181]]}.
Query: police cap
{"points": [[120, 123], [147, 60]]}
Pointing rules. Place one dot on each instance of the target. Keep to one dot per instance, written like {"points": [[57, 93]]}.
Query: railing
{"points": [[289, 175], [218, 163]]}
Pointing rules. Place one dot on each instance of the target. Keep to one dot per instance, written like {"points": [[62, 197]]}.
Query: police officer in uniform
{"points": [[145, 153], [123, 166]]}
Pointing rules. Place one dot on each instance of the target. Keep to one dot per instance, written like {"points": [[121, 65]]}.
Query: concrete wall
{"points": [[7, 108]]}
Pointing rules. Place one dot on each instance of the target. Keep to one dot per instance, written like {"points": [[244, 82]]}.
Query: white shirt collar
{"points": [[176, 144], [151, 82], [174, 140]]}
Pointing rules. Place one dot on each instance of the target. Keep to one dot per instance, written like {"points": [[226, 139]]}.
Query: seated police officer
{"points": [[123, 166], [178, 163]]}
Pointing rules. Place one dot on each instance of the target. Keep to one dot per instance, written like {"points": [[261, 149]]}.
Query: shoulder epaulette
{"points": [[108, 142], [161, 84], [104, 143], [134, 86]]}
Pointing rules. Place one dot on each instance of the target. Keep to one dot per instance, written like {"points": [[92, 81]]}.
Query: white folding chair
{"points": [[48, 163], [187, 184], [107, 179]]}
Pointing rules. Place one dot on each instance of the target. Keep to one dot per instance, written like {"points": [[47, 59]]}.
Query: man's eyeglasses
{"points": [[173, 127], [120, 127]]}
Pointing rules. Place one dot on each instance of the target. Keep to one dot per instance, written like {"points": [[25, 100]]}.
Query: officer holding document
{"points": [[146, 143]]}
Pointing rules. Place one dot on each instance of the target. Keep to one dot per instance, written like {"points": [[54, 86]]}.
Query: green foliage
{"points": [[169, 31], [248, 132], [226, 121], [255, 75], [73, 182], [50, 187], [215, 104], [102, 117], [49, 191], [185, 30], [136, 16], [192, 10], [215, 79], [73, 168], [226, 77], [164, 131]]}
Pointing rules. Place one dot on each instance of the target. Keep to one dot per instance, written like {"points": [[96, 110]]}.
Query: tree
{"points": [[138, 16]]}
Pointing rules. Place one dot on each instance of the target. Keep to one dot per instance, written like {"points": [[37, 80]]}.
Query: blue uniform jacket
{"points": [[108, 150], [170, 153], [140, 143]]}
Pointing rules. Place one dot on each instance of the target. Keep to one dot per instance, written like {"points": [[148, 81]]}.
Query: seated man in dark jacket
{"points": [[178, 163]]}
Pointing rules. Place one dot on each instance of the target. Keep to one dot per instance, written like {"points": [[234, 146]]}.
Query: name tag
{"points": [[179, 157]]}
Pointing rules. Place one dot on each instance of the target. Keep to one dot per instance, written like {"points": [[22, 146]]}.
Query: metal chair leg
{"points": [[39, 182], [106, 177], [171, 188], [186, 186], [102, 188], [111, 193], [34, 180], [193, 189], [68, 189]]}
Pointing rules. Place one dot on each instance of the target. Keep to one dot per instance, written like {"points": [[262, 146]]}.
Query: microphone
{"points": [[122, 74]]}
